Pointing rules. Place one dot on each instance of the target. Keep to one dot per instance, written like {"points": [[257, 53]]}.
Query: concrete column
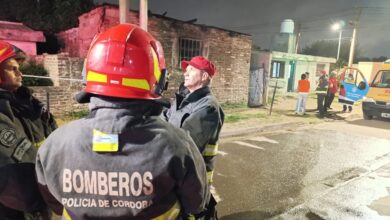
{"points": [[143, 14], [123, 8], [352, 48]]}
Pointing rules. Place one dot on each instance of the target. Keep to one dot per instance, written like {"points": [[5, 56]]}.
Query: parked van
{"points": [[377, 101]]}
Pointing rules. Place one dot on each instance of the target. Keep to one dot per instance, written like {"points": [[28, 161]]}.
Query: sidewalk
{"points": [[361, 198], [239, 121]]}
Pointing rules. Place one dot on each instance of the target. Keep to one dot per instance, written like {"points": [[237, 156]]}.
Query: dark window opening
{"points": [[189, 48]]}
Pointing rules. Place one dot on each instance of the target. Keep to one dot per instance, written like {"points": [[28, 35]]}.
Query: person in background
{"points": [[321, 91], [350, 79], [307, 75], [332, 90], [303, 92], [24, 125], [342, 99], [197, 111]]}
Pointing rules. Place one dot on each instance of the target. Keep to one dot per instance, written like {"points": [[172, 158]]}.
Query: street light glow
{"points": [[336, 26]]}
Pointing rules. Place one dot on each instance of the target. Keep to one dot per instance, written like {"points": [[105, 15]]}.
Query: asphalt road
{"points": [[283, 174]]}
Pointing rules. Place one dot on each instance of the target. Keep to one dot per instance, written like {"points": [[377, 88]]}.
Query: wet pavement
{"points": [[367, 197], [329, 171]]}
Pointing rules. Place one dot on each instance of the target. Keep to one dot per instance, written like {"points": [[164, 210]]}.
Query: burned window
{"points": [[189, 48]]}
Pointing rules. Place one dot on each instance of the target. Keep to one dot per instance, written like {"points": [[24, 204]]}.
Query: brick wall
{"points": [[230, 51], [60, 97]]}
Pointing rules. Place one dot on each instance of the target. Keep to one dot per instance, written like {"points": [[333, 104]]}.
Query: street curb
{"points": [[264, 128]]}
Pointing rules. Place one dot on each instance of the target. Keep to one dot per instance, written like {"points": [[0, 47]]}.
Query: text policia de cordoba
{"points": [[111, 184]]}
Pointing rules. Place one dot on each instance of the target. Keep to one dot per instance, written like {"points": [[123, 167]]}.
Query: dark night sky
{"points": [[262, 18]]}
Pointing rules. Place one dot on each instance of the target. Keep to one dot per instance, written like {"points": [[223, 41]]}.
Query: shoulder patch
{"points": [[21, 149], [8, 137], [104, 142]]}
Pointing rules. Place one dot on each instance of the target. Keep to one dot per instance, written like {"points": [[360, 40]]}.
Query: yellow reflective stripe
{"points": [[157, 71], [96, 77], [65, 215], [38, 144], [2, 51], [191, 217], [137, 83], [210, 176], [171, 214], [210, 150], [105, 147]]}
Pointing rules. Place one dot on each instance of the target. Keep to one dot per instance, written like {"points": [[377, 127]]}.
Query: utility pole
{"points": [[123, 8], [143, 14], [298, 33], [339, 45], [355, 24]]}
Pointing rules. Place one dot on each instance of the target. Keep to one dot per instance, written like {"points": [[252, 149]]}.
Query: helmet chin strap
{"points": [[162, 83]]}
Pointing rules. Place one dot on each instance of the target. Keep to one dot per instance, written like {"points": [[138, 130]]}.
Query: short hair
{"points": [[303, 76]]}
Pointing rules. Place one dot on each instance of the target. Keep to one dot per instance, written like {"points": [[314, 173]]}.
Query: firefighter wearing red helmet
{"points": [[24, 124], [122, 161], [197, 111]]}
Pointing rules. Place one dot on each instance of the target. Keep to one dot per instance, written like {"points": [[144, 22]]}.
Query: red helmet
{"points": [[6, 51], [126, 62]]}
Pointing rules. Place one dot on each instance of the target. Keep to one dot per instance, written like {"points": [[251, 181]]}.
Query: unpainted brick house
{"points": [[229, 50], [21, 36]]}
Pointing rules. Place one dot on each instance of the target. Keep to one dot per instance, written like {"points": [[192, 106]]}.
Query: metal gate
{"points": [[256, 87]]}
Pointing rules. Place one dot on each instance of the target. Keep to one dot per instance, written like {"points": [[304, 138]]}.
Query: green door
{"points": [[291, 78]]}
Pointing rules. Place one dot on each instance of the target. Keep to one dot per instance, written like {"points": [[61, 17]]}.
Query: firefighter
{"points": [[197, 111], [122, 161], [24, 124]]}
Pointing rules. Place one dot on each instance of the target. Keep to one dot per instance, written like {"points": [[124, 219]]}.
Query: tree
{"points": [[50, 16], [32, 68], [329, 49], [379, 59]]}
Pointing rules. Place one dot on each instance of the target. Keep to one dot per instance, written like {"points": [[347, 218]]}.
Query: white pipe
{"points": [[123, 8], [143, 14]]}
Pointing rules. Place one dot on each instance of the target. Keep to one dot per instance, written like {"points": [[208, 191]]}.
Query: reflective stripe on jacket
{"points": [[322, 87], [23, 125], [121, 162], [199, 114]]}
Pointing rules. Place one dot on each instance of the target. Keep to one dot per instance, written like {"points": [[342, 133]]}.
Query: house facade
{"points": [[283, 70], [286, 68], [229, 50], [21, 36]]}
